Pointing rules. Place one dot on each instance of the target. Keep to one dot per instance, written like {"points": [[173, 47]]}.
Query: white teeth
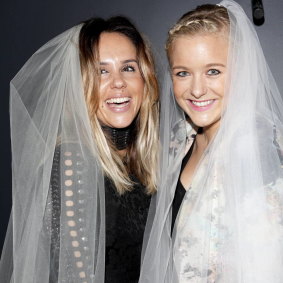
{"points": [[202, 103], [118, 100]]}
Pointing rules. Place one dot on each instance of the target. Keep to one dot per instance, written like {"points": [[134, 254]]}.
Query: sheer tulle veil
{"points": [[230, 222], [239, 178], [48, 114]]}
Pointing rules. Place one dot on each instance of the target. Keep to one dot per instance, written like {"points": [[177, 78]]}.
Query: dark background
{"points": [[27, 25]]}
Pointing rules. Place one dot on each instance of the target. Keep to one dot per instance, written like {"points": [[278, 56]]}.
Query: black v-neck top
{"points": [[180, 190]]}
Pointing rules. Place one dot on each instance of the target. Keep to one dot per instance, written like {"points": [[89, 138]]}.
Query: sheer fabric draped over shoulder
{"points": [[49, 115]]}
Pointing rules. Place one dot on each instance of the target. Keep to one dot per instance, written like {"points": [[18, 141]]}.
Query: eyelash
{"points": [[182, 74], [103, 71], [211, 72], [127, 67]]}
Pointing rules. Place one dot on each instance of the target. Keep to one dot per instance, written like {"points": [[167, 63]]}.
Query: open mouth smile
{"points": [[118, 104], [201, 105]]}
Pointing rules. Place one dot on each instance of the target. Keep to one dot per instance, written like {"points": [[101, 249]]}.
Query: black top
{"points": [[125, 218], [125, 223], [180, 190]]}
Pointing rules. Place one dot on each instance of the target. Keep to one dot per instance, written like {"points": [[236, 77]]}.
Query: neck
{"points": [[121, 138], [206, 134]]}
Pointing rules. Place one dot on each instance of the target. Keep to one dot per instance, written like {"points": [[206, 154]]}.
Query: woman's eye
{"points": [[128, 68], [103, 71], [213, 72], [182, 74]]}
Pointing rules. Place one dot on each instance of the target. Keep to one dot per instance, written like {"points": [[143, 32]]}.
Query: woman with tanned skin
{"points": [[90, 95]]}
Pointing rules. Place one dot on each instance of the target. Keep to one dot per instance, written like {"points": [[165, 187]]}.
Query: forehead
{"points": [[115, 44], [199, 48]]}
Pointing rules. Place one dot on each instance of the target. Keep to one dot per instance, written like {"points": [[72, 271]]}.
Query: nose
{"points": [[198, 86], [117, 81]]}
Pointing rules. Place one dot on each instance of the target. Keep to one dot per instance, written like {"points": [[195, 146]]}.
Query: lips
{"points": [[118, 100], [203, 105], [118, 104]]}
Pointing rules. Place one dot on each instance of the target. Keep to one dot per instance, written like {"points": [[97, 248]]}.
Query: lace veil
{"points": [[49, 115], [229, 227]]}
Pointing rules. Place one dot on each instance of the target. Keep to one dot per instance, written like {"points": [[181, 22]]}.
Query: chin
{"points": [[206, 124], [120, 125]]}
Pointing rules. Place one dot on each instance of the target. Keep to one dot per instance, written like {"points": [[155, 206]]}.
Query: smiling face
{"points": [[198, 65], [121, 83]]}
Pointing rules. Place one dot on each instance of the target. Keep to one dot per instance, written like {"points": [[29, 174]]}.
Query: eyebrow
{"points": [[179, 67], [123, 62], [208, 65], [215, 64]]}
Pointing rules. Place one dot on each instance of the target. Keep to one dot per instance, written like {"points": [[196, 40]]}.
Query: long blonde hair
{"points": [[141, 157]]}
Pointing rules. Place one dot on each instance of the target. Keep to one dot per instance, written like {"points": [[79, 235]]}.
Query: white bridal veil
{"points": [[49, 121], [230, 226]]}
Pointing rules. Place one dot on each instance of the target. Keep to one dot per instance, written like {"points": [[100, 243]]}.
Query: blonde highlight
{"points": [[141, 158]]}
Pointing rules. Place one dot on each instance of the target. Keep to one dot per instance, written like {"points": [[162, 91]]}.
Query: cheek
{"points": [[138, 89], [139, 99], [179, 88], [219, 87], [223, 86], [141, 86], [102, 92]]}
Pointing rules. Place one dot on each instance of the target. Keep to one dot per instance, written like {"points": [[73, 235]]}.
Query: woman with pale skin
{"points": [[218, 211], [90, 95], [199, 69], [198, 65]]}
